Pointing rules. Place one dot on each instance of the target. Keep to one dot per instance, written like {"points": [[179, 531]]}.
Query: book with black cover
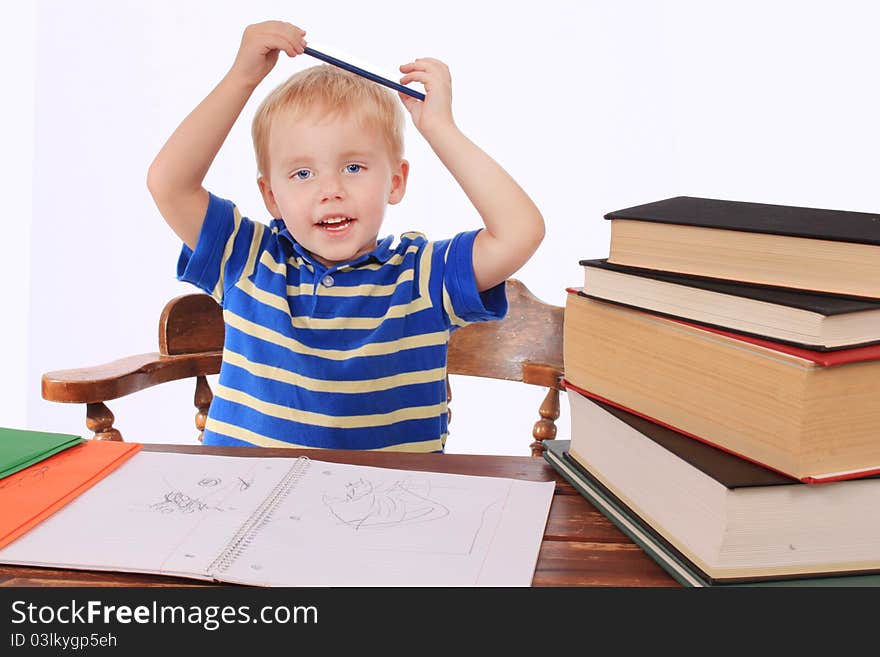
{"points": [[831, 251], [556, 452], [822, 322], [794, 221], [734, 520], [727, 469]]}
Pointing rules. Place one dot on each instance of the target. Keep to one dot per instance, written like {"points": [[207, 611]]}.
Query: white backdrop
{"points": [[592, 106]]}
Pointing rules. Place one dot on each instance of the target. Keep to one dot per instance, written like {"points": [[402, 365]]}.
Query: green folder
{"points": [[20, 448]]}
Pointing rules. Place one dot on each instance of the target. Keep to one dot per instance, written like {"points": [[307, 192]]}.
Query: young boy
{"points": [[335, 338]]}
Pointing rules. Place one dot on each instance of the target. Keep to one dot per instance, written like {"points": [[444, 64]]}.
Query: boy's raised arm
{"points": [[176, 174], [514, 226]]}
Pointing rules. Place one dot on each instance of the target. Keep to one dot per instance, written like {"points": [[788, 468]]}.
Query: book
{"points": [[31, 495], [266, 521], [20, 448], [673, 561], [820, 322], [810, 415], [815, 249]]}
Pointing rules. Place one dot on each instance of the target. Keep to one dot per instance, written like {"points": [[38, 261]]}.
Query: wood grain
{"points": [[530, 333]]}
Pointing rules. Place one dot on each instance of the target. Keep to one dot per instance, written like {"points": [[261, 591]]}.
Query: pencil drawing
{"points": [[216, 495], [178, 501], [368, 505], [31, 476]]}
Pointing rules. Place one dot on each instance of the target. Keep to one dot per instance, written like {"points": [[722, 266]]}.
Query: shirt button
{"points": [[327, 281]]}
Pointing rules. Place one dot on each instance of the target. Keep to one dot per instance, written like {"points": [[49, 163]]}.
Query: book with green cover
{"points": [[658, 548], [20, 448]]}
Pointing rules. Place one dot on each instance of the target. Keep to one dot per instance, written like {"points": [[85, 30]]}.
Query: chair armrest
{"points": [[124, 376], [542, 374]]}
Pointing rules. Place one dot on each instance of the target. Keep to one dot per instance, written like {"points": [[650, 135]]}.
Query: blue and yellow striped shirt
{"points": [[347, 357]]}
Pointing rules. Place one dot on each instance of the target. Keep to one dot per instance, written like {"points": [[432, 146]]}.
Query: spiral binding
{"points": [[262, 515]]}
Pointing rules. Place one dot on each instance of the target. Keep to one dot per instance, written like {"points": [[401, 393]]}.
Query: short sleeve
{"points": [[212, 266], [462, 301]]}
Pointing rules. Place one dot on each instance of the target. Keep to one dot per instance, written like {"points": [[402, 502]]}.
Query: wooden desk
{"points": [[580, 547]]}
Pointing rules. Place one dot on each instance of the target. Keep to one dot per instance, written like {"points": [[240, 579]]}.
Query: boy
{"points": [[335, 338]]}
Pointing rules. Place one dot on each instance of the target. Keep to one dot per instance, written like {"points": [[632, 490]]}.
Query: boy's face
{"points": [[331, 179]]}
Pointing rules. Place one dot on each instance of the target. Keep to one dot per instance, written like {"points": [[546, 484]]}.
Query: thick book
{"points": [[820, 322], [833, 251], [20, 448], [679, 566], [810, 415], [733, 518], [296, 522], [31, 495]]}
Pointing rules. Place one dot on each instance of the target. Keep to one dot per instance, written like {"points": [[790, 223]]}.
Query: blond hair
{"points": [[330, 91]]}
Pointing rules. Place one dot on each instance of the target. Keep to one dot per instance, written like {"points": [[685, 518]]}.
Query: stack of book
{"points": [[723, 374]]}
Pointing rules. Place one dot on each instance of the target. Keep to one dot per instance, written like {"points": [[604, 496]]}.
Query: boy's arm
{"points": [[514, 226], [175, 176]]}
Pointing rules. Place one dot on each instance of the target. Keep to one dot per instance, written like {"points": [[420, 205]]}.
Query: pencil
{"points": [[359, 71]]}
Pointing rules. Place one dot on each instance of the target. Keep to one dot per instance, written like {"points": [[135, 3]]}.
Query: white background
{"points": [[592, 106]]}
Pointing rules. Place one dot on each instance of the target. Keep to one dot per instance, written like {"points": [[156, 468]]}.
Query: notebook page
{"points": [[159, 512], [346, 525]]}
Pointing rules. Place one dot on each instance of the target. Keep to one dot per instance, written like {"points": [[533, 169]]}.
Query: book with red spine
{"points": [[807, 414]]}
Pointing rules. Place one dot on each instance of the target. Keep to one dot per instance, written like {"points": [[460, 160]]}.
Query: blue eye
{"points": [[353, 168], [302, 174]]}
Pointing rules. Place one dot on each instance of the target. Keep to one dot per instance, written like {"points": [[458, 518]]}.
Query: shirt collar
{"points": [[382, 253]]}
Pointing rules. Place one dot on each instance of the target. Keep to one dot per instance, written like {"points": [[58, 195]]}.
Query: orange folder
{"points": [[31, 495]]}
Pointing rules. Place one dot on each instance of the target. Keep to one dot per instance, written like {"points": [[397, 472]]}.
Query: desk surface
{"points": [[580, 548]]}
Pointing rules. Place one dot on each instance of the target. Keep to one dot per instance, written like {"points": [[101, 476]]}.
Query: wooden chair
{"points": [[525, 346]]}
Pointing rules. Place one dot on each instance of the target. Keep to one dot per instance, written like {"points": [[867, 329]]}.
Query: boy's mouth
{"points": [[335, 224]]}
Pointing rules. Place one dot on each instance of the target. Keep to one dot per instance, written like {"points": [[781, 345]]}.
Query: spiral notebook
{"points": [[295, 522]]}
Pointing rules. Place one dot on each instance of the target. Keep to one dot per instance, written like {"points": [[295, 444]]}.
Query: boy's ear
{"points": [[398, 183], [268, 197]]}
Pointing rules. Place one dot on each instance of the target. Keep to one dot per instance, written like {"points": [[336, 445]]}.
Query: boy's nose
{"points": [[332, 189]]}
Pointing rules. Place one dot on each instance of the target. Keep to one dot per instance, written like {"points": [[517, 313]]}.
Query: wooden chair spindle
{"points": [[545, 428], [99, 419], [202, 400]]}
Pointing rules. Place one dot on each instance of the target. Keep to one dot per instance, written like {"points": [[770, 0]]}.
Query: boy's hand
{"points": [[513, 225], [435, 112], [260, 45]]}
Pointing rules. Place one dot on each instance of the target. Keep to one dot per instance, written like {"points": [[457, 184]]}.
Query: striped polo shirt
{"points": [[347, 357]]}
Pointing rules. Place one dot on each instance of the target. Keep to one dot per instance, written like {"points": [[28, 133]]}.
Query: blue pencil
{"points": [[359, 71]]}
